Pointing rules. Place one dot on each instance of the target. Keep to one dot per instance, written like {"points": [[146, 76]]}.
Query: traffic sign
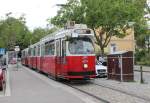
{"points": [[17, 48], [2, 51]]}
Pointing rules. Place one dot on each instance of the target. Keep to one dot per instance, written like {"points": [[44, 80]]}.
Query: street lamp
{"points": [[62, 5]]}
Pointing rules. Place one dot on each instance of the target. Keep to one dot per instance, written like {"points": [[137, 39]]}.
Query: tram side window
{"points": [[31, 51], [42, 50], [46, 48], [57, 48], [34, 51], [49, 48], [63, 48], [38, 51], [52, 49]]}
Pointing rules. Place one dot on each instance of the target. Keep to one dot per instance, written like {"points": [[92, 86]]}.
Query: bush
{"points": [[146, 59], [142, 57], [139, 55]]}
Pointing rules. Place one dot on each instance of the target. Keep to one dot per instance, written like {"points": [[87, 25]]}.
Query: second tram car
{"points": [[67, 54], [24, 58]]}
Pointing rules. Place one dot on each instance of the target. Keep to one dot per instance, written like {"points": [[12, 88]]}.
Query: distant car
{"points": [[101, 69], [1, 78], [13, 61]]}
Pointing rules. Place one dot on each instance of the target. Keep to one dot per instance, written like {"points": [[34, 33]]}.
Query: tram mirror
{"points": [[68, 38]]}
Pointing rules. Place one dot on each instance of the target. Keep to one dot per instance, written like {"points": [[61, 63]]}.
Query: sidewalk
{"points": [[30, 87], [145, 68], [133, 88]]}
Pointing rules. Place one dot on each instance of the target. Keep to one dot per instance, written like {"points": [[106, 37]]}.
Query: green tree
{"points": [[141, 31], [71, 11], [13, 32], [110, 16], [39, 33]]}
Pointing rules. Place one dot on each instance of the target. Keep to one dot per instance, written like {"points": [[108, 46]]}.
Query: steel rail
{"points": [[90, 94]]}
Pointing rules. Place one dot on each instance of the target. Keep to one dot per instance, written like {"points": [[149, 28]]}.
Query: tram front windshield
{"points": [[81, 46]]}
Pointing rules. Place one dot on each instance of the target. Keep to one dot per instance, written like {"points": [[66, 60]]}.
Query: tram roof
{"points": [[67, 32], [34, 44], [26, 49]]}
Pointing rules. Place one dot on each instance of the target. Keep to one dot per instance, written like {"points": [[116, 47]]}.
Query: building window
{"points": [[113, 48]]}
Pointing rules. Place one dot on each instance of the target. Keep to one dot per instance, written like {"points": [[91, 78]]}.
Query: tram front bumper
{"points": [[81, 75]]}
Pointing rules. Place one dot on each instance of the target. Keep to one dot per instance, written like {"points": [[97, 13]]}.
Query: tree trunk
{"points": [[102, 51]]}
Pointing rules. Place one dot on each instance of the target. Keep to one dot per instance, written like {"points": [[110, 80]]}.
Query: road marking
{"points": [[85, 98], [7, 91]]}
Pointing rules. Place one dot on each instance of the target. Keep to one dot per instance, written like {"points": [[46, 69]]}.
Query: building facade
{"points": [[126, 43]]}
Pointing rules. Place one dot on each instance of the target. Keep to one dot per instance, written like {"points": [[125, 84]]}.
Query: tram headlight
{"points": [[85, 65]]}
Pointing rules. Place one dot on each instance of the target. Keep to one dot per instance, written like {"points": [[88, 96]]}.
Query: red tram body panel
{"points": [[49, 65], [76, 67], [38, 65], [26, 61], [23, 61], [34, 62], [30, 61]]}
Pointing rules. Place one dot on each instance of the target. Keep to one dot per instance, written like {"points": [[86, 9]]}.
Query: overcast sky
{"points": [[36, 11]]}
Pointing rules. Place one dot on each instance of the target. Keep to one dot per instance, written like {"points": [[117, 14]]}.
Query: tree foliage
{"points": [[72, 11], [13, 32], [39, 33], [110, 17], [141, 31], [144, 30]]}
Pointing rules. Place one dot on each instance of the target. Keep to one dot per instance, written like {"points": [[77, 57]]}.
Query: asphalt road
{"points": [[27, 86]]}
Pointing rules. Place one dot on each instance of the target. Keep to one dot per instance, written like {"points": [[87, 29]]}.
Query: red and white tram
{"points": [[67, 54]]}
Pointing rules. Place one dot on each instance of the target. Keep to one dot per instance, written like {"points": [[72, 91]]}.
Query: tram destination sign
{"points": [[83, 31]]}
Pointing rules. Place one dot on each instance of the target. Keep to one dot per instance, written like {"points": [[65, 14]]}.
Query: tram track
{"points": [[124, 92], [87, 93], [107, 87]]}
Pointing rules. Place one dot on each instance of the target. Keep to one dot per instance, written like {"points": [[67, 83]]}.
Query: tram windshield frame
{"points": [[81, 46]]}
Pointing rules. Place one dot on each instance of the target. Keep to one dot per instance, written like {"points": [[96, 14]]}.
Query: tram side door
{"points": [[42, 57], [58, 59], [63, 57]]}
